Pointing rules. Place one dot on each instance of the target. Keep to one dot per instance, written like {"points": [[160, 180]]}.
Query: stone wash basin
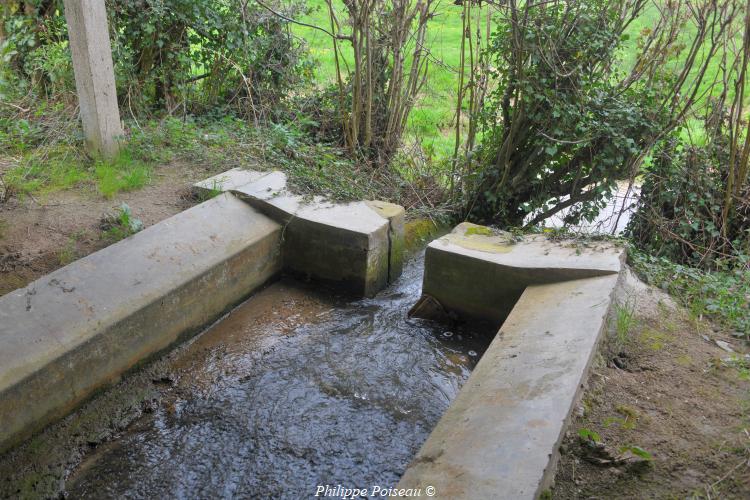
{"points": [[337, 344]]}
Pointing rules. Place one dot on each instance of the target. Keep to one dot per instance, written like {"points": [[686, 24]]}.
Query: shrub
{"points": [[680, 209], [169, 55], [564, 121], [197, 54], [721, 295]]}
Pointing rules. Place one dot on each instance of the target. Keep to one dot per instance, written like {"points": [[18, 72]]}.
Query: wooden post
{"points": [[95, 78]]}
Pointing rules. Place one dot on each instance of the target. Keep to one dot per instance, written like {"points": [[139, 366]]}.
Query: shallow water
{"points": [[296, 388]]}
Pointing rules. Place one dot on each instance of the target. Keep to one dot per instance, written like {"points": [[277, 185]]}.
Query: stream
{"points": [[297, 387]]}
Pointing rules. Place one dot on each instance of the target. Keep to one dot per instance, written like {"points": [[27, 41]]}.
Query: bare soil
{"points": [[665, 386], [42, 233]]}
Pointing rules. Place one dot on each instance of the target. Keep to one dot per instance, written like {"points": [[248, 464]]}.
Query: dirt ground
{"points": [[663, 385], [42, 233]]}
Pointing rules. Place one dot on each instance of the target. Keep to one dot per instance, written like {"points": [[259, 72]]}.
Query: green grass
{"points": [[46, 169], [711, 84], [48, 163], [624, 321], [64, 166], [122, 174], [121, 224], [68, 253]]}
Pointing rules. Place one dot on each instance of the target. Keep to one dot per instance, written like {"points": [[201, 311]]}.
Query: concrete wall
{"points": [[358, 245], [478, 274], [78, 329], [500, 436]]}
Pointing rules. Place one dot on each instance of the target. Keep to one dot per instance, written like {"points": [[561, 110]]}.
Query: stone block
{"points": [[477, 273], [357, 245]]}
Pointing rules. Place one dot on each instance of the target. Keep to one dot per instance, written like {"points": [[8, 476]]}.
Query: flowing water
{"points": [[296, 388]]}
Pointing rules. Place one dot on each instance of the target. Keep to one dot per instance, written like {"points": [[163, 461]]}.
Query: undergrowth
{"points": [[48, 155], [120, 224], [723, 296]]}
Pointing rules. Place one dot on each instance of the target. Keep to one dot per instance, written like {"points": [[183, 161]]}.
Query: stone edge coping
{"points": [[526, 252], [65, 311], [499, 437], [270, 188]]}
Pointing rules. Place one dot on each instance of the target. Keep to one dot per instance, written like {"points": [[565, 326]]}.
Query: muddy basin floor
{"points": [[296, 388]]}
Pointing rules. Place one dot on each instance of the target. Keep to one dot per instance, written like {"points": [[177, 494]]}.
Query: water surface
{"points": [[297, 388]]}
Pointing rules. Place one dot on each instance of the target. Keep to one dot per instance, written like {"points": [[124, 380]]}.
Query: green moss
{"points": [[491, 242], [631, 416], [479, 230], [418, 232], [654, 340], [396, 256], [385, 209]]}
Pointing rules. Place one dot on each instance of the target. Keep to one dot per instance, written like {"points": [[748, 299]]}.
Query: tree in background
{"points": [[186, 56], [378, 92], [695, 200], [564, 120], [199, 54]]}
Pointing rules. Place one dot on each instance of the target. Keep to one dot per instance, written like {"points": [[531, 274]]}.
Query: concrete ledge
{"points": [[79, 328], [499, 438], [358, 245], [479, 274]]}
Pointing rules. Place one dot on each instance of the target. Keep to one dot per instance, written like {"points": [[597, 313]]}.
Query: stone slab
{"points": [[79, 328], [499, 438], [479, 274], [358, 245], [229, 180]]}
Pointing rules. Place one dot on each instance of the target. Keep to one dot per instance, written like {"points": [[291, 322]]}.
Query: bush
{"points": [[565, 121], [170, 55], [722, 296], [682, 212], [198, 54], [559, 129]]}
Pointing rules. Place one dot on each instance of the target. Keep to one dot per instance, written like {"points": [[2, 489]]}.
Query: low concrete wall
{"points": [[78, 329], [500, 436], [479, 274], [358, 245]]}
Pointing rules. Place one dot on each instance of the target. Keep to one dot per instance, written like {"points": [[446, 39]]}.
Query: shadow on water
{"points": [[296, 388]]}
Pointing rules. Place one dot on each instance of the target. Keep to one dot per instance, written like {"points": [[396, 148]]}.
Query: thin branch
{"points": [[300, 23]]}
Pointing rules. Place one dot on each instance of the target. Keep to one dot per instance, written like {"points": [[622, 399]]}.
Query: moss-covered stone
{"points": [[480, 230], [482, 238], [418, 232]]}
